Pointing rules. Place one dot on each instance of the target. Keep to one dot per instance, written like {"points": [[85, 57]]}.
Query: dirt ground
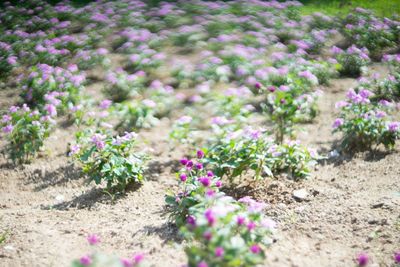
{"points": [[353, 203]]}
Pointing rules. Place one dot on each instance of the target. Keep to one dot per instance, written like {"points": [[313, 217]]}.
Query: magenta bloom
{"points": [[126, 262], [184, 161], [86, 260], [362, 259], [202, 264], [93, 239], [207, 236], [138, 258], [183, 177], [219, 251], [8, 128], [240, 220], [191, 220], [255, 249], [210, 174], [251, 225], [205, 181], [218, 183], [200, 154], [394, 126], [338, 122], [397, 257], [257, 85], [105, 104], [199, 166], [210, 217]]}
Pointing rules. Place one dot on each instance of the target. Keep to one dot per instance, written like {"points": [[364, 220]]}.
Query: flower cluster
{"points": [[221, 230], [98, 259], [365, 123], [26, 130], [353, 61], [109, 159]]}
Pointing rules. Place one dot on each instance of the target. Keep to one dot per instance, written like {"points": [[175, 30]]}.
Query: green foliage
{"points": [[110, 159]]}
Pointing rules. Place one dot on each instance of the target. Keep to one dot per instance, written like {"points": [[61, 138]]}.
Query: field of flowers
{"points": [[198, 133]]}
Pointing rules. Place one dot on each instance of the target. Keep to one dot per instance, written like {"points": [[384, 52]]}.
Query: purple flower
{"points": [[218, 183], [183, 177], [97, 139], [338, 122], [184, 161], [51, 110], [202, 264], [362, 259], [74, 149], [251, 225], [6, 118], [219, 251], [191, 220], [200, 154], [93, 239], [210, 217], [86, 260], [397, 257], [199, 166], [255, 249], [240, 220], [207, 236], [210, 174], [126, 262], [137, 258], [205, 181], [393, 126], [105, 104], [8, 128]]}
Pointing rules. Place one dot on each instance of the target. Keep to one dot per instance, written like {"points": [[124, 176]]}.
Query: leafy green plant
{"points": [[365, 124], [110, 159], [136, 114], [26, 130], [353, 61]]}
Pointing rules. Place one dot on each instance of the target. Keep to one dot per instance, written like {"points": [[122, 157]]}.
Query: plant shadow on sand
{"points": [[168, 232], [155, 168], [59, 176], [93, 196], [371, 155]]}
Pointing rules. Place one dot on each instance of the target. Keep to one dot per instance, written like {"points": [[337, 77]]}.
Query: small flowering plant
{"points": [[195, 184], [26, 130], [110, 159], [98, 259], [181, 129], [238, 152], [365, 124], [136, 114], [44, 80], [353, 61], [121, 86], [285, 108], [226, 232]]}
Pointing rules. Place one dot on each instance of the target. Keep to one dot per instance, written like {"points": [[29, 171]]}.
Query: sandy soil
{"points": [[48, 208]]}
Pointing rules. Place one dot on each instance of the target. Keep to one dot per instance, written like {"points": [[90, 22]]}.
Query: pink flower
{"points": [[219, 251], [337, 123], [393, 126], [200, 154], [255, 249], [205, 181], [397, 257], [93, 239], [8, 128], [183, 177], [362, 259], [202, 264], [51, 110], [138, 258], [126, 262], [210, 217], [86, 260], [105, 104]]}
